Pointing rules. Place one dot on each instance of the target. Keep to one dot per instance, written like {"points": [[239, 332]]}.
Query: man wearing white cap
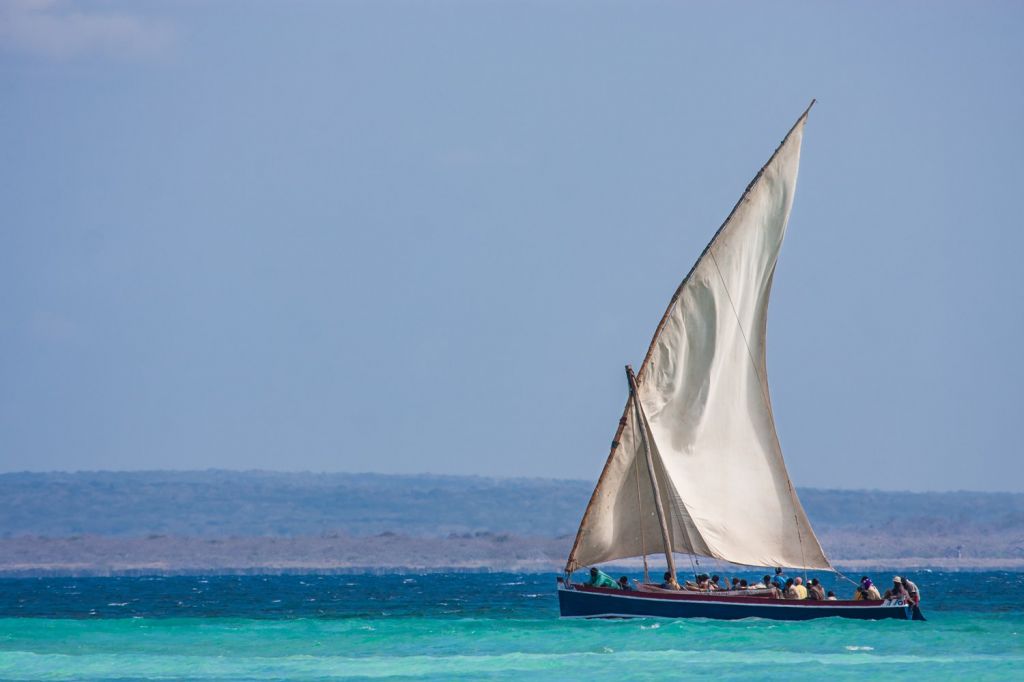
{"points": [[897, 590]]}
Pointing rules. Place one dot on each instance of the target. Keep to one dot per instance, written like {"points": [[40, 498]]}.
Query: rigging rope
{"points": [[840, 574], [693, 569]]}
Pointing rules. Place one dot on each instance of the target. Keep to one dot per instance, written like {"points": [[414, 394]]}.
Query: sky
{"points": [[426, 236]]}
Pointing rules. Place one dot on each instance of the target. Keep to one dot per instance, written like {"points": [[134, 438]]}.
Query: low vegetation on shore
{"points": [[101, 523]]}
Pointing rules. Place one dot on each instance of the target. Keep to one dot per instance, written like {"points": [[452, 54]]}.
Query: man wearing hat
{"points": [[897, 591]]}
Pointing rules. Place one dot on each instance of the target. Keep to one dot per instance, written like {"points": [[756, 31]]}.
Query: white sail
{"points": [[703, 388]]}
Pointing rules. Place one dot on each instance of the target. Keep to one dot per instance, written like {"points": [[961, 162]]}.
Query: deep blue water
{"points": [[473, 626]]}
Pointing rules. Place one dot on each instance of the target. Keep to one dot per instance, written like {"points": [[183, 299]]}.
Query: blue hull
{"points": [[586, 602]]}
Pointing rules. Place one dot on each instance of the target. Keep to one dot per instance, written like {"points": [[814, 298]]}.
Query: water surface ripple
{"points": [[471, 627]]}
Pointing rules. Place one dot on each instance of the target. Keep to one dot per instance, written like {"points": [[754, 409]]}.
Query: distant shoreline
{"points": [[241, 523], [99, 555], [129, 569]]}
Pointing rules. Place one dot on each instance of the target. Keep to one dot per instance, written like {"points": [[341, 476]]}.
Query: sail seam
{"points": [[739, 323], [763, 385]]}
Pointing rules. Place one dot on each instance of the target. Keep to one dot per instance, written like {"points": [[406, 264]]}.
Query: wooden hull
{"points": [[579, 601]]}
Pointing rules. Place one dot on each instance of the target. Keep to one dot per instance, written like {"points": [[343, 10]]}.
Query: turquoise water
{"points": [[471, 627]]}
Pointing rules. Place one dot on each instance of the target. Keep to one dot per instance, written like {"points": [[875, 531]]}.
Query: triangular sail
{"points": [[704, 390]]}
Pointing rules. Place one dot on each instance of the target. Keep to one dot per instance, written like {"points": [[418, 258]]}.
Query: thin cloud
{"points": [[58, 30]]}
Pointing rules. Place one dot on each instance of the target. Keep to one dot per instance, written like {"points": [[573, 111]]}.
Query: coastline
{"points": [[162, 569], [247, 523]]}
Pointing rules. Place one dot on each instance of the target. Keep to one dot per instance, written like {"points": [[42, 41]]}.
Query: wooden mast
{"points": [[641, 420]]}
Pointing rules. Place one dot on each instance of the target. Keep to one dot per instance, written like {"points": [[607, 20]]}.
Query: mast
{"points": [[642, 422]]}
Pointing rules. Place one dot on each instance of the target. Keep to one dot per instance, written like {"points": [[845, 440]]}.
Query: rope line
{"points": [[693, 569], [840, 574]]}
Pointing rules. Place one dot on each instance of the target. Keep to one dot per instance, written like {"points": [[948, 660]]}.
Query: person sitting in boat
{"points": [[600, 579], [913, 593], [866, 590], [799, 588], [766, 584], [815, 591], [624, 583], [715, 585], [669, 582], [743, 584], [831, 596], [897, 591], [735, 584], [703, 582], [870, 590], [779, 580]]}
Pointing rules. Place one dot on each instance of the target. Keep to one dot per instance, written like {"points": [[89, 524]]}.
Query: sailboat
{"points": [[695, 466]]}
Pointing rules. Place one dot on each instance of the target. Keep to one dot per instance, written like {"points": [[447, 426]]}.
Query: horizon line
{"points": [[426, 474]]}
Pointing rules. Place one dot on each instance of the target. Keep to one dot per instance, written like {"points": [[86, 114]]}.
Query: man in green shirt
{"points": [[601, 579]]}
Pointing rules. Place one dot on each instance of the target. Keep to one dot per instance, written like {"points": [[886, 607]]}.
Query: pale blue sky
{"points": [[406, 237]]}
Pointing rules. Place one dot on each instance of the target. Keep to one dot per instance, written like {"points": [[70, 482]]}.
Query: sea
{"points": [[476, 626]]}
